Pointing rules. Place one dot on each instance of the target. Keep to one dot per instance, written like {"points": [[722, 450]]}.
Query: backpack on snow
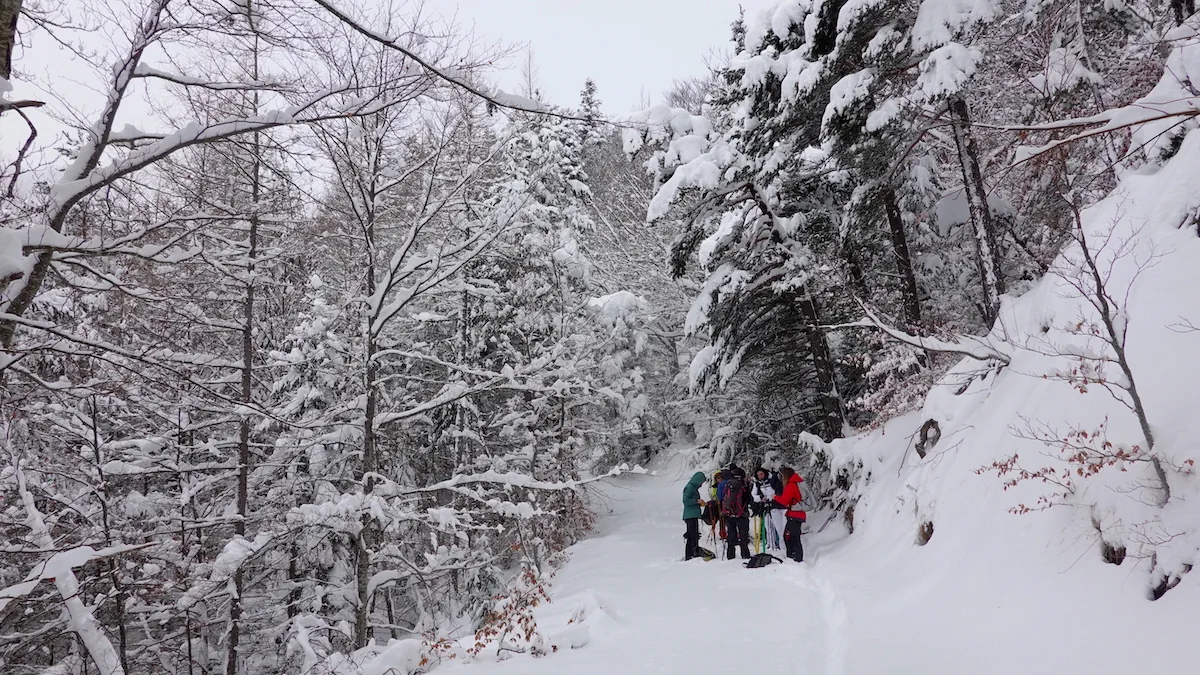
{"points": [[734, 504], [760, 560]]}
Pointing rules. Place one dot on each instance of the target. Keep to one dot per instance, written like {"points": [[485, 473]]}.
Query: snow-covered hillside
{"points": [[994, 591]]}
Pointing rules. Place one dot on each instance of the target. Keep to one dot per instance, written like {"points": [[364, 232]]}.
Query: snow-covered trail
{"points": [[647, 611]]}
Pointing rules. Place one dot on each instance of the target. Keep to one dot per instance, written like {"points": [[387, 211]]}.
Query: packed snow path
{"points": [[647, 611]]}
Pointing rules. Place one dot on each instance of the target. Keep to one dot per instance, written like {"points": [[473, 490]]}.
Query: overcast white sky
{"points": [[629, 47], [624, 45]]}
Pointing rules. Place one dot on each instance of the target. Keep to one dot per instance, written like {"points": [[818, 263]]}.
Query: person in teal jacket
{"points": [[692, 505]]}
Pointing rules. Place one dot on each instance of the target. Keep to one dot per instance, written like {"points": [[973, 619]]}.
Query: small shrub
{"points": [[1113, 555], [925, 533]]}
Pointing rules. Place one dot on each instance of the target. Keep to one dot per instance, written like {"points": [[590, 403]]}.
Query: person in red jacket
{"points": [[790, 500]]}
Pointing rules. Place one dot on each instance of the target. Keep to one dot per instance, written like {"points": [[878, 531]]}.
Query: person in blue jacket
{"points": [[692, 510], [726, 475]]}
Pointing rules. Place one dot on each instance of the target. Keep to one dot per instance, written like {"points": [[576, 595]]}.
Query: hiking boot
{"points": [[745, 553]]}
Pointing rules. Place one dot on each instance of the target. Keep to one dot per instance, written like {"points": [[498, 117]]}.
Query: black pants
{"points": [[692, 537], [791, 539], [738, 530]]}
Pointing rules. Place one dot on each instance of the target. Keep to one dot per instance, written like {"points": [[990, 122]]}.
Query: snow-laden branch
{"points": [[42, 238], [148, 72], [79, 616], [17, 105], [54, 566], [979, 348], [431, 265], [1172, 101], [454, 391], [521, 480], [1134, 115], [498, 98], [231, 558]]}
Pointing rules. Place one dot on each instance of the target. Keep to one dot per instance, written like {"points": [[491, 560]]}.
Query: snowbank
{"points": [[997, 591]]}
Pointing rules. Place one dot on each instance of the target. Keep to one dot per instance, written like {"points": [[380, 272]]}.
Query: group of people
{"points": [[772, 499]]}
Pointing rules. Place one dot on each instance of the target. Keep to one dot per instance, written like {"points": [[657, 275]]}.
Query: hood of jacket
{"points": [[697, 479], [795, 478]]}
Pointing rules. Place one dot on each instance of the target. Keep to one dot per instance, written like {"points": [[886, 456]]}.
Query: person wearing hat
{"points": [[735, 507], [692, 505], [791, 499]]}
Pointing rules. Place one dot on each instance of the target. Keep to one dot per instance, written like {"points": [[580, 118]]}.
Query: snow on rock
{"points": [[400, 656]]}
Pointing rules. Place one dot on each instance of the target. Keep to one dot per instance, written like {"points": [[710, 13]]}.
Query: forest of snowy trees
{"points": [[329, 352]]}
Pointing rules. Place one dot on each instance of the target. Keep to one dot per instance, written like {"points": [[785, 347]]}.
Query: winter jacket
{"points": [[761, 491], [691, 496], [791, 497], [776, 484], [721, 489]]}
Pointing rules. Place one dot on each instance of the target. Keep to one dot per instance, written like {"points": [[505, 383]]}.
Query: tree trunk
{"points": [[904, 267], [833, 421], [987, 254], [370, 460], [110, 565], [365, 539], [236, 606], [858, 280], [1182, 9], [10, 10]]}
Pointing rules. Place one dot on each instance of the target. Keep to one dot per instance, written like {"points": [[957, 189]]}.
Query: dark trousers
{"points": [[738, 530], [791, 539], [691, 537]]}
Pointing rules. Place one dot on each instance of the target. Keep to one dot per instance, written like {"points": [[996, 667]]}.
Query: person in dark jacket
{"points": [[791, 499], [718, 481], [735, 507], [692, 510]]}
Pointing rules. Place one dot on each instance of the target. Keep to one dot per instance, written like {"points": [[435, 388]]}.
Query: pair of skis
{"points": [[758, 534], [758, 537]]}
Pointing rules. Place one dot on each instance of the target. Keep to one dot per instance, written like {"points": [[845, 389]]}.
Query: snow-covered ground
{"points": [[991, 591], [873, 603], [647, 611]]}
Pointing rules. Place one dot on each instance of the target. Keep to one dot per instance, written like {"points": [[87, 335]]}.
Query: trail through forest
{"points": [[644, 610]]}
